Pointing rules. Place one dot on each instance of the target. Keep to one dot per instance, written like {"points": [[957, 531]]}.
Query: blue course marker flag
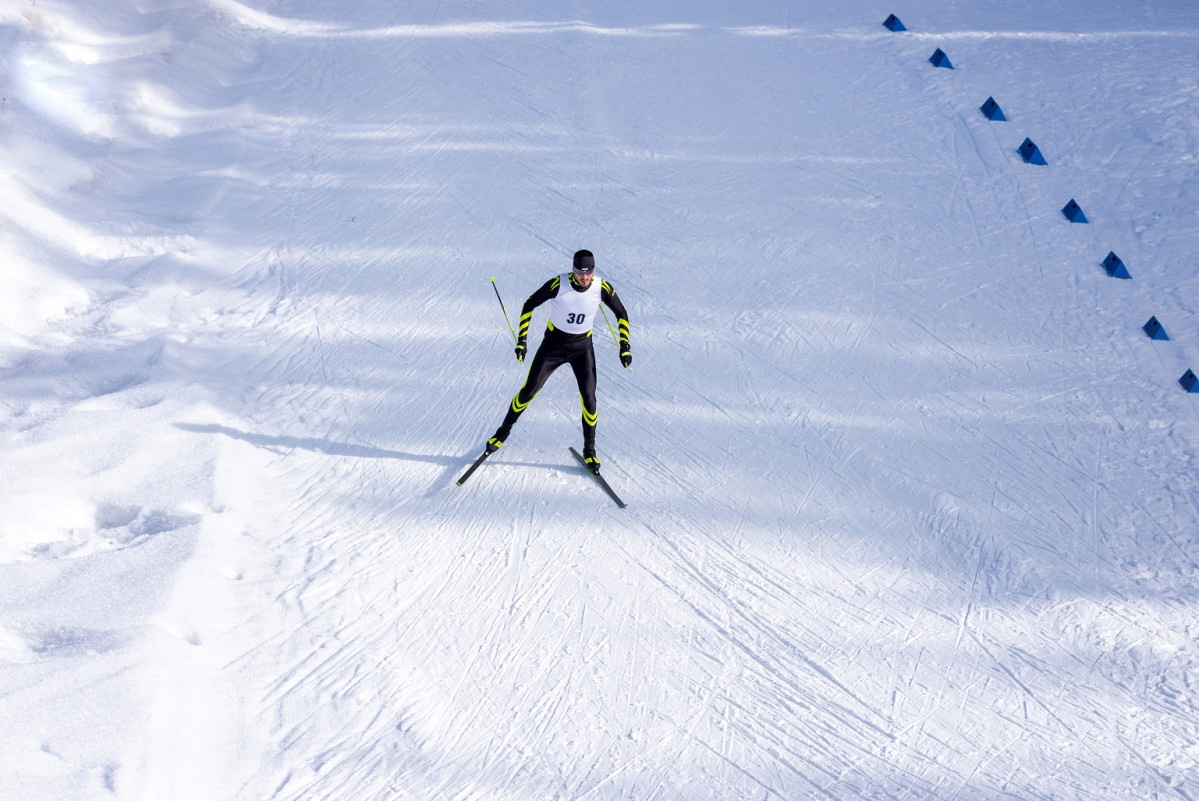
{"points": [[1154, 329], [939, 59], [1115, 267], [1073, 212], [1030, 152]]}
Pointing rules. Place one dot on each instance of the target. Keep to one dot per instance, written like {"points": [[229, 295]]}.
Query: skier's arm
{"points": [[547, 291], [610, 299]]}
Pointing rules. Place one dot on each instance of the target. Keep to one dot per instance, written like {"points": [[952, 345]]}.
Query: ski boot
{"points": [[589, 459], [497, 441]]}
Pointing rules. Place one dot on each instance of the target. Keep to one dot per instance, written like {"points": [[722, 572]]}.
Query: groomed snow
{"points": [[913, 502]]}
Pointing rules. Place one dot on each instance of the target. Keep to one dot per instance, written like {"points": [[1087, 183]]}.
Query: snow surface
{"points": [[913, 509]]}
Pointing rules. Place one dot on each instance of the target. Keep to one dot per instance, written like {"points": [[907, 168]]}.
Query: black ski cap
{"points": [[585, 261]]}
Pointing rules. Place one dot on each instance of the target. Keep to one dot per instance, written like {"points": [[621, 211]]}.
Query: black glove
{"points": [[626, 358], [520, 350]]}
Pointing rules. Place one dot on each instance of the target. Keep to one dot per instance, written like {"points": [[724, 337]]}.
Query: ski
{"points": [[599, 479], [472, 468]]}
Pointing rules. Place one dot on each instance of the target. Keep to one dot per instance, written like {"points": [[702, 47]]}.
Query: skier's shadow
{"points": [[283, 444], [452, 465]]}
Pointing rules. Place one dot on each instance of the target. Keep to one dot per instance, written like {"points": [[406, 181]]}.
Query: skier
{"points": [[574, 299]]}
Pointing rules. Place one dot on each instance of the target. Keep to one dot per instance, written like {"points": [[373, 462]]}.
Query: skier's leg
{"points": [[583, 366], [545, 361]]}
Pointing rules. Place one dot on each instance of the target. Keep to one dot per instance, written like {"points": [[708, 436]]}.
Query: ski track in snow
{"points": [[913, 508]]}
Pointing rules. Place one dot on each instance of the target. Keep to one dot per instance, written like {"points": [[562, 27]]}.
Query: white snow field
{"points": [[913, 502]]}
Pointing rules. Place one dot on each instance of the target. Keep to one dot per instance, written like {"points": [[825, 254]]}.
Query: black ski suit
{"points": [[560, 346]]}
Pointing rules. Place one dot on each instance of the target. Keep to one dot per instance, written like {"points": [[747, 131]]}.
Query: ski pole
{"points": [[501, 300], [610, 331]]}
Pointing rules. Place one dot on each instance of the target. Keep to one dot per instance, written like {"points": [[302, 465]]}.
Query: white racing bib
{"points": [[573, 312]]}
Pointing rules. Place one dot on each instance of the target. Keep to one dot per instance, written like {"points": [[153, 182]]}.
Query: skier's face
{"points": [[583, 279]]}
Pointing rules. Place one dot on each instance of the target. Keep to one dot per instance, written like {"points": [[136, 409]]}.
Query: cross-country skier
{"points": [[574, 301]]}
